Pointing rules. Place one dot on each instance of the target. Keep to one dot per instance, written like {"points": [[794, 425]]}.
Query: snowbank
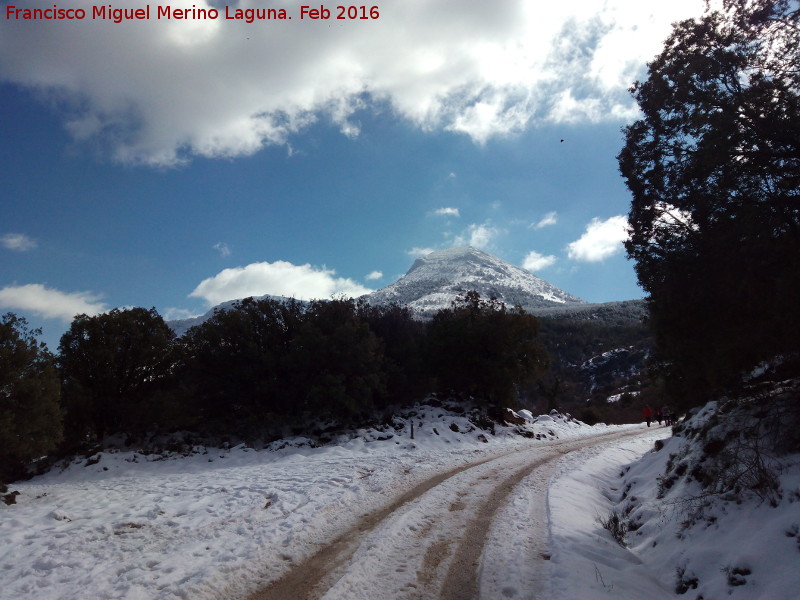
{"points": [[683, 539], [586, 561]]}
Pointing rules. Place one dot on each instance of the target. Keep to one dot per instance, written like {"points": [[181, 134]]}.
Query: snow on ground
{"points": [[729, 545], [586, 562], [222, 522], [219, 523], [682, 542]]}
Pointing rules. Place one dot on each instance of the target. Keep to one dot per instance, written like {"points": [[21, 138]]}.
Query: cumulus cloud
{"points": [[601, 240], [549, 219], [418, 252], [280, 278], [224, 88], [374, 275], [18, 242], [447, 212], [538, 262], [477, 236], [50, 303]]}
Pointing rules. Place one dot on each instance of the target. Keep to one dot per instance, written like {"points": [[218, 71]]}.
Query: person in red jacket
{"points": [[648, 415]]}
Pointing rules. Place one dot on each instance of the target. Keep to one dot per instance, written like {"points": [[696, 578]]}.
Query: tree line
{"points": [[260, 369]]}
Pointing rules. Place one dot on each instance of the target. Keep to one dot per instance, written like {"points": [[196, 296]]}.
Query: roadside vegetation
{"points": [[257, 371]]}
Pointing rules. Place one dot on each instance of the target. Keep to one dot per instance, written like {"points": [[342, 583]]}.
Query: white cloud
{"points": [[495, 116], [280, 278], [601, 240], [538, 262], [418, 252], [447, 212], [50, 303], [219, 88], [223, 249], [18, 242], [549, 219], [374, 275], [477, 236]]}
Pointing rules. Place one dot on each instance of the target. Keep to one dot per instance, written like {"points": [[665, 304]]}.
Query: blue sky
{"points": [[180, 164]]}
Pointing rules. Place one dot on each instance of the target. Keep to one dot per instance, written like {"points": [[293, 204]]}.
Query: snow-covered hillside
{"points": [[435, 280]]}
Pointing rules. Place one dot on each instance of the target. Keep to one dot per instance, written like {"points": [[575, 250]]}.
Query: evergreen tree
{"points": [[340, 361], [30, 417], [115, 368], [264, 365], [714, 170], [236, 366], [481, 349], [402, 338]]}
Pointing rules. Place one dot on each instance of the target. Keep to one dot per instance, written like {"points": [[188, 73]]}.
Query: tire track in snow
{"points": [[306, 580], [463, 577], [428, 542]]}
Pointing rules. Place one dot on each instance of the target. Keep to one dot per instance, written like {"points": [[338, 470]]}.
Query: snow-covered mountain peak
{"points": [[455, 260], [436, 279]]}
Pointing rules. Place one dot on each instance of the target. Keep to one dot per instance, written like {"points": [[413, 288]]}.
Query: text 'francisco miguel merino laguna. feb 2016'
{"points": [[107, 12]]}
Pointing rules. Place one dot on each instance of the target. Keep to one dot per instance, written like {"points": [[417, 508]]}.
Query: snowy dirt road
{"points": [[477, 531]]}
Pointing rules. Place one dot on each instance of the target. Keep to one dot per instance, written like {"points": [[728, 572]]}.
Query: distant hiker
{"points": [[658, 415], [648, 415], [667, 415]]}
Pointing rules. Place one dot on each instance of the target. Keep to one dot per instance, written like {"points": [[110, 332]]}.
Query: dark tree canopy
{"points": [[714, 169], [30, 418], [401, 337], [113, 369], [234, 364], [340, 361], [267, 364], [480, 348]]}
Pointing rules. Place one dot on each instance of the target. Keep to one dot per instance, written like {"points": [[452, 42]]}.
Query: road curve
{"points": [[429, 543]]}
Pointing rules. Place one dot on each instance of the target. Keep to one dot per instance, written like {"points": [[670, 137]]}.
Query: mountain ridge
{"points": [[436, 279]]}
